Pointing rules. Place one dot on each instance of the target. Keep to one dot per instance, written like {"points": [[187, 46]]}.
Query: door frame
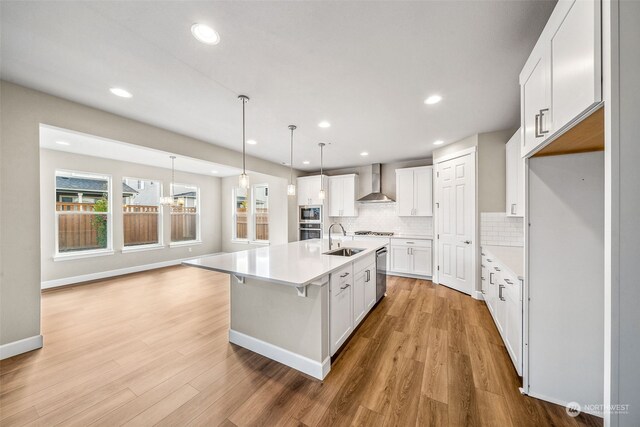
{"points": [[475, 252]]}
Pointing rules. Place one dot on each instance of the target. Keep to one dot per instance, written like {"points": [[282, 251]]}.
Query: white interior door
{"points": [[456, 222]]}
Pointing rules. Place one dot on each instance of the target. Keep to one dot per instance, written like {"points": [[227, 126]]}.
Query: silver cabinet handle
{"points": [[467, 242], [482, 265], [491, 278], [482, 291], [345, 286], [537, 132], [513, 209], [500, 288], [411, 251], [508, 281], [482, 278], [542, 131], [344, 275], [411, 243], [489, 260], [496, 269], [368, 275]]}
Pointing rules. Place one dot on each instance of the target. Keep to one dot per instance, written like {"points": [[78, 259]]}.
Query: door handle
{"points": [[500, 288], [542, 131], [467, 242]]}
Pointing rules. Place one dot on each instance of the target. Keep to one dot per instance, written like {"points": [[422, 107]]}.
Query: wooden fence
{"points": [[77, 230], [262, 224]]}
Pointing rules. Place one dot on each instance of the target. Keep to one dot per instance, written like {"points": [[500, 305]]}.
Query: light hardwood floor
{"points": [[151, 348]]}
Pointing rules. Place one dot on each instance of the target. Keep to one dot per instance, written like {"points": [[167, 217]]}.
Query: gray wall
{"points": [[278, 214], [22, 112], [210, 218], [387, 175]]}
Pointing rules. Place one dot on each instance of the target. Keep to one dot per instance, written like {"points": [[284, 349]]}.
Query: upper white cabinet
{"points": [[342, 195], [562, 77], [309, 189], [414, 191], [515, 177]]}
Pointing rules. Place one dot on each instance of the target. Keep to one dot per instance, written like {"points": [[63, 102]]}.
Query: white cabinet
{"points": [[341, 307], [411, 256], [562, 77], [309, 189], [503, 295], [370, 283], [414, 191], [364, 289], [515, 177], [342, 195]]}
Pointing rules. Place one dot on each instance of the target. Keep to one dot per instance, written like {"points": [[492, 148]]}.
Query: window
{"points": [[83, 213], [185, 215], [251, 214], [141, 213]]}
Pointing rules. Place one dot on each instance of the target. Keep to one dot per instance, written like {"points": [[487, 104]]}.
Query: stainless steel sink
{"points": [[344, 251]]}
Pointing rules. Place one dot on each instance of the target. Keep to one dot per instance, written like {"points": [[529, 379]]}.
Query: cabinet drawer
{"points": [[341, 278], [421, 243]]}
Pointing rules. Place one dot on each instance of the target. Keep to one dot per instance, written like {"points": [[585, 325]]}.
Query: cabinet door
{"points": [[513, 320], [423, 191], [400, 259], [492, 289], [359, 304], [536, 121], [370, 286], [575, 62], [421, 261], [404, 192], [304, 191], [314, 190], [514, 177], [336, 196], [349, 207], [501, 307], [484, 279], [341, 319]]}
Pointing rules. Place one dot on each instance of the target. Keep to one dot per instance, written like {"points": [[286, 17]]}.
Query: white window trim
{"points": [[251, 218], [151, 246], [64, 256], [198, 239]]}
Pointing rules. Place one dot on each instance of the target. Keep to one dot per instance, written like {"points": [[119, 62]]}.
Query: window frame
{"points": [[198, 238], [160, 213], [251, 216], [108, 250]]}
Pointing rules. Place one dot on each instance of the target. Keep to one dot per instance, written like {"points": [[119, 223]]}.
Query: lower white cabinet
{"points": [[341, 307], [411, 256], [353, 294], [503, 295]]}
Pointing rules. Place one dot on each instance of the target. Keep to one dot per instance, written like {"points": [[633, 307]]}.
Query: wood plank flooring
{"points": [[151, 349]]}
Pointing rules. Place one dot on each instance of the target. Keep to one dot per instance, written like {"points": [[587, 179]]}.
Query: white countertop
{"points": [[512, 257], [293, 264], [396, 236]]}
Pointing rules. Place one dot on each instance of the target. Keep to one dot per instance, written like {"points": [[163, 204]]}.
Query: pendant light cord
{"points": [[244, 141], [292, 127]]}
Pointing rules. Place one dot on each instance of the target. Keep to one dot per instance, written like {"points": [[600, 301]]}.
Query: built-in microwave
{"points": [[310, 231], [310, 214]]}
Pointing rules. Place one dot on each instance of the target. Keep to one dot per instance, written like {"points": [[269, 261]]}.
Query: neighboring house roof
{"points": [[87, 185], [187, 194]]}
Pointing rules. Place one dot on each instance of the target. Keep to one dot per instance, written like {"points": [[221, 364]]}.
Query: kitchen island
{"points": [[294, 303]]}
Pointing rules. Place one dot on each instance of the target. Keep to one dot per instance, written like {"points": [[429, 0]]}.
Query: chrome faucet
{"points": [[344, 233]]}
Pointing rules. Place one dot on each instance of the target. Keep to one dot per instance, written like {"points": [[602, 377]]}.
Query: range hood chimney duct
{"points": [[375, 196]]}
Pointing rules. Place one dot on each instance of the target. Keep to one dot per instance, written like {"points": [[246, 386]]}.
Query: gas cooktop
{"points": [[373, 233]]}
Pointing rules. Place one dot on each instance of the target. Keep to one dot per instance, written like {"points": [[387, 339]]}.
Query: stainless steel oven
{"points": [[310, 231], [310, 214], [381, 270]]}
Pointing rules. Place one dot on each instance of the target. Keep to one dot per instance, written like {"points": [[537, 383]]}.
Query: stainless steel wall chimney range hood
{"points": [[376, 196]]}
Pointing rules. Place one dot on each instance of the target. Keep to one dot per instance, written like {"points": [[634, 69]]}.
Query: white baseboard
{"points": [[410, 276], [112, 273], [301, 363], [559, 402], [478, 295], [21, 346]]}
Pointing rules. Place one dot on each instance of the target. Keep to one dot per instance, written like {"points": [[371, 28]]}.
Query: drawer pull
{"points": [[496, 268], [345, 286], [500, 288], [345, 274]]}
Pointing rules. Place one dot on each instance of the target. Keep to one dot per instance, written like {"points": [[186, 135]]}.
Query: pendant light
{"points": [[322, 194], [291, 188], [168, 200], [243, 180]]}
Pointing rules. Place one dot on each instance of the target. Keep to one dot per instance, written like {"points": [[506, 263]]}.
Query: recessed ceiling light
{"points": [[306, 162], [364, 153], [63, 143], [433, 99], [324, 124], [438, 142], [214, 171], [252, 141], [205, 34], [117, 91]]}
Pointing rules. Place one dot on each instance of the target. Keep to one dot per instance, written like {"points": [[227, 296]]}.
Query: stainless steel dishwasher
{"points": [[381, 273]]}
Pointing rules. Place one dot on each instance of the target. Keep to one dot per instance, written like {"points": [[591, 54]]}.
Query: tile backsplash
{"points": [[383, 217], [496, 228]]}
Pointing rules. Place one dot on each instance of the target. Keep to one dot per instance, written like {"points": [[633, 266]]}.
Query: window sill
{"points": [[81, 255], [141, 248], [186, 243], [250, 242]]}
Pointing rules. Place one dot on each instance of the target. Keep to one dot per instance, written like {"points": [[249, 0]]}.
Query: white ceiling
{"points": [[89, 145], [366, 67]]}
